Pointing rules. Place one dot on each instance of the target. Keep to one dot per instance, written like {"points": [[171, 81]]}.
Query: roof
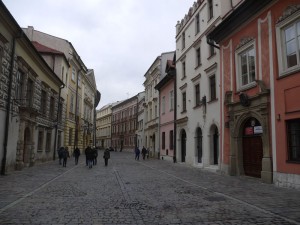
{"points": [[44, 49]]}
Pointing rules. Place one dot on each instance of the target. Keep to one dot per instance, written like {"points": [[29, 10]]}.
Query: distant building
{"points": [[140, 134], [167, 112], [152, 77], [124, 125], [103, 123]]}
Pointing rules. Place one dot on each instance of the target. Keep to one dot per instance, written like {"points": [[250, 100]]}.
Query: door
{"points": [[199, 144], [183, 145], [252, 156]]}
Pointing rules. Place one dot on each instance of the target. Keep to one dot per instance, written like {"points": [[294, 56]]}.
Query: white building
{"points": [[198, 106], [103, 134]]}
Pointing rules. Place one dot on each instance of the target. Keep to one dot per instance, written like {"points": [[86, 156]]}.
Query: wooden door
{"points": [[252, 156]]}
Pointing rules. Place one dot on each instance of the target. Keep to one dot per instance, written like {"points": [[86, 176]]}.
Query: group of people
{"points": [[91, 155], [145, 153]]}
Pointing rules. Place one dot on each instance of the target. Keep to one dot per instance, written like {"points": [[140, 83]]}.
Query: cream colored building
{"points": [[103, 124], [80, 87], [30, 97]]}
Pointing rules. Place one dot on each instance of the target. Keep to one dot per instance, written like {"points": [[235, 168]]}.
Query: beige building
{"points": [[30, 99], [80, 88], [103, 135]]}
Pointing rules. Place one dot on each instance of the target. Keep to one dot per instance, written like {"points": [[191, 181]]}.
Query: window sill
{"points": [[198, 66], [288, 73], [183, 78], [184, 111], [212, 101], [247, 87], [292, 162], [211, 56], [197, 106]]}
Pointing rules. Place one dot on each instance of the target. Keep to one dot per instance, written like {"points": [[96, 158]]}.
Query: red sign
{"points": [[249, 131]]}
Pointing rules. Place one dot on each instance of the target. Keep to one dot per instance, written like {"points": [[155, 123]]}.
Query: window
{"points": [[73, 74], [197, 23], [211, 50], [163, 105], [19, 86], [183, 70], [183, 40], [293, 136], [70, 136], [212, 85], [197, 95], [171, 100], [72, 104], [163, 137], [246, 67], [43, 102], [52, 112], [288, 33], [183, 101], [198, 57], [79, 79], [210, 9], [40, 140], [48, 142], [29, 93], [171, 138], [60, 112]]}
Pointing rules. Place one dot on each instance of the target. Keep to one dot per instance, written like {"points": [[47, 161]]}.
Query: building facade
{"points": [[167, 112], [197, 82], [30, 98], [104, 126], [152, 77], [124, 125], [140, 134], [260, 74], [77, 130]]}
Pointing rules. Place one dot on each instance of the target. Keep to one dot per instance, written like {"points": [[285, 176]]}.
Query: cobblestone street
{"points": [[140, 192]]}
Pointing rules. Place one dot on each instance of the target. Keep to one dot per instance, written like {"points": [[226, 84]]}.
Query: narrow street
{"points": [[140, 192]]}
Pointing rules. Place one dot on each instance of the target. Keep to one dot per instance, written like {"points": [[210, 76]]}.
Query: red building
{"points": [[124, 125], [260, 81]]}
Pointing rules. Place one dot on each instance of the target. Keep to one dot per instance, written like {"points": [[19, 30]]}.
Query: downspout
{"points": [[12, 61], [175, 118], [56, 126]]}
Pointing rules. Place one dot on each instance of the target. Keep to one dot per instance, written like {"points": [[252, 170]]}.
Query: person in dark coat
{"points": [[137, 153], [90, 156], [76, 155], [95, 155], [60, 152], [106, 156], [86, 155], [65, 156], [144, 152]]}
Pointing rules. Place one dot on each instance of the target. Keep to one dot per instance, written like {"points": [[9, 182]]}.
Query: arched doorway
{"points": [[183, 145], [199, 144], [26, 147], [252, 148]]}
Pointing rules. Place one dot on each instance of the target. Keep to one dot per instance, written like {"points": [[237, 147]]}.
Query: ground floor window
{"points": [[293, 139]]}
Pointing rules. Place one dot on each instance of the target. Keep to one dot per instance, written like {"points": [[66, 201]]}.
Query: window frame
{"points": [[281, 27], [245, 48], [212, 91], [183, 101], [288, 140], [210, 9], [171, 100], [197, 95], [197, 23], [198, 56]]}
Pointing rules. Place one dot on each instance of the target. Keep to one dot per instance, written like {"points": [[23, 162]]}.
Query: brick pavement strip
{"points": [[140, 192]]}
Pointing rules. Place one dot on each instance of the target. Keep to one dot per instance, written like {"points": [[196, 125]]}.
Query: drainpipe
{"points": [[12, 61], [56, 126]]}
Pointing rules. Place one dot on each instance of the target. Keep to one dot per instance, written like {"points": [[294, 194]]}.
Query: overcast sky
{"points": [[119, 39]]}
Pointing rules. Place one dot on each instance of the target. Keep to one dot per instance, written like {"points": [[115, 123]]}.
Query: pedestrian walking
{"points": [[95, 156], [148, 153], [106, 156], [137, 153], [144, 152], [90, 157], [65, 156], [86, 155], [59, 152], [76, 155]]}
